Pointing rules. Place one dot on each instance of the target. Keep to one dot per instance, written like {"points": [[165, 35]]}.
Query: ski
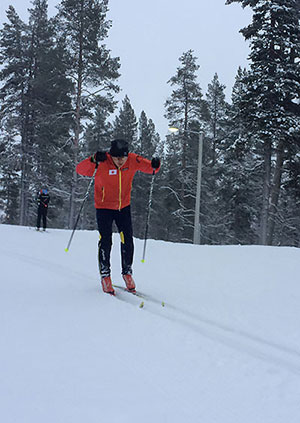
{"points": [[38, 230], [118, 296], [141, 295]]}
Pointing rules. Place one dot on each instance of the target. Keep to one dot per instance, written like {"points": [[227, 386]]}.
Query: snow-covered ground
{"points": [[225, 348]]}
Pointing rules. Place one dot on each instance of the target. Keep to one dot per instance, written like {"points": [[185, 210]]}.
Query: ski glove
{"points": [[98, 157], [155, 162]]}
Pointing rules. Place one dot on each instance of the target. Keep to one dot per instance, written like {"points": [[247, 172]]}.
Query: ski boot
{"points": [[130, 285], [107, 285]]}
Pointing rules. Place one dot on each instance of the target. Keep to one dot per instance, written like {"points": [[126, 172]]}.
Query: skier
{"points": [[112, 192], [43, 201]]}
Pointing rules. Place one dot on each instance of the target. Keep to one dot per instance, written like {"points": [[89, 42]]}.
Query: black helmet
{"points": [[119, 148]]}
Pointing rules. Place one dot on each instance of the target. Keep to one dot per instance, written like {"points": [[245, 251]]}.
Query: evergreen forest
{"points": [[58, 88]]}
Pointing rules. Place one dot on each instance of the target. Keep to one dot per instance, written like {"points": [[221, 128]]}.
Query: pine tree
{"points": [[14, 76], [239, 180], [84, 26], [185, 110], [217, 108], [50, 104], [9, 175], [214, 220], [288, 233], [148, 139], [34, 99], [270, 105], [125, 125], [98, 133]]}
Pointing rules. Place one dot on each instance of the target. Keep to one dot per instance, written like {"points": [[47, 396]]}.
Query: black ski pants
{"points": [[42, 213], [105, 219]]}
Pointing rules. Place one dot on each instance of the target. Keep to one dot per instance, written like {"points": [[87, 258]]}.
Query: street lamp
{"points": [[196, 239]]}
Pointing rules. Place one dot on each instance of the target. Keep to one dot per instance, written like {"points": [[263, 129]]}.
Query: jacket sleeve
{"points": [[86, 167], [144, 165]]}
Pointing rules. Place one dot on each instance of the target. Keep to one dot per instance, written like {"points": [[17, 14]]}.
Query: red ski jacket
{"points": [[113, 185]]}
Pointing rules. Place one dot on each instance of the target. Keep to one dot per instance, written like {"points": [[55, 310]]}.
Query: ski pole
{"points": [[82, 204], [148, 216]]}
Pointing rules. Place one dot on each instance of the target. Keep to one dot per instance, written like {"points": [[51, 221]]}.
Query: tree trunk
{"points": [[24, 164], [22, 192], [266, 194], [75, 147], [275, 191], [77, 125]]}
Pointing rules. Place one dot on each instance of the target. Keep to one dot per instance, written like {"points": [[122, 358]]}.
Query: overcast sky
{"points": [[150, 36]]}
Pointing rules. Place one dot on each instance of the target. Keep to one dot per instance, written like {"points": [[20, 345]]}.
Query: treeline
{"points": [[57, 106]]}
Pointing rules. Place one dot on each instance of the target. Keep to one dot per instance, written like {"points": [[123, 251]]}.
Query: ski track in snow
{"points": [[246, 343]]}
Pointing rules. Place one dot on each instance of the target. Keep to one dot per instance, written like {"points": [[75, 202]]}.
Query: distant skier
{"points": [[43, 202], [112, 192]]}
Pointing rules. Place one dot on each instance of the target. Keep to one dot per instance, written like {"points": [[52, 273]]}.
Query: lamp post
{"points": [[196, 239]]}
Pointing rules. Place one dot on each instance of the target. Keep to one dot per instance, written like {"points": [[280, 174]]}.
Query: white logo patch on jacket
{"points": [[112, 172]]}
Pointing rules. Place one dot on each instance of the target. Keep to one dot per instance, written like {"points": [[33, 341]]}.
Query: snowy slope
{"points": [[224, 349]]}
